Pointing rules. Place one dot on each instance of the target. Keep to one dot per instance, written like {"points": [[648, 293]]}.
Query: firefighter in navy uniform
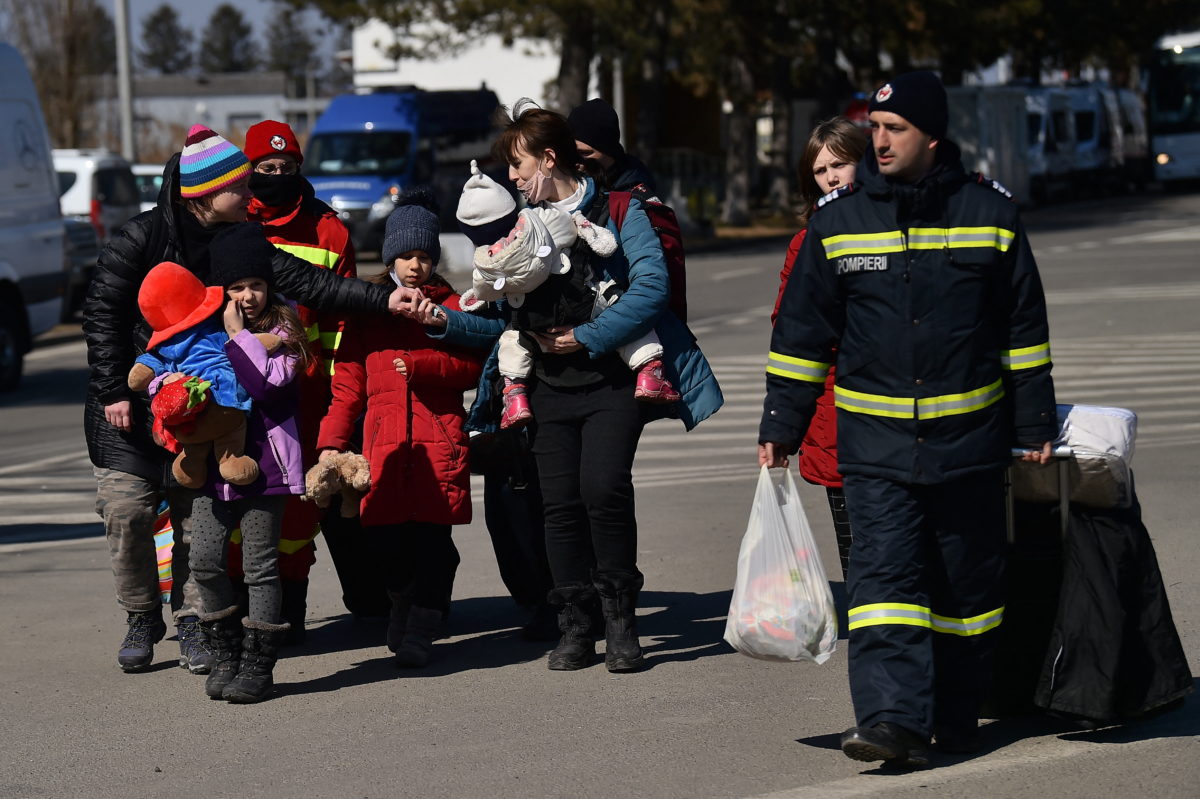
{"points": [[923, 279]]}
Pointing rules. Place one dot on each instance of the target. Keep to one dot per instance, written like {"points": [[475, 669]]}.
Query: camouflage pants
{"points": [[128, 504]]}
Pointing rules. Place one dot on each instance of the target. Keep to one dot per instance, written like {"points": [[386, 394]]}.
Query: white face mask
{"points": [[538, 187]]}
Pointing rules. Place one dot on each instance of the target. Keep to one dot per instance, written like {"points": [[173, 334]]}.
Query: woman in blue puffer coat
{"points": [[582, 397]]}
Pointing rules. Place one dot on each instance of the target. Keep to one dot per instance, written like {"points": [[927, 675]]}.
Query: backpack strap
{"points": [[618, 206]]}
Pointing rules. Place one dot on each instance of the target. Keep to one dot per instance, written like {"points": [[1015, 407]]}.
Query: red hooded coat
{"points": [[413, 433], [818, 453]]}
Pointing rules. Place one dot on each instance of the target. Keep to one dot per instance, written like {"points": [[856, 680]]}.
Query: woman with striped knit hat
{"points": [[204, 190]]}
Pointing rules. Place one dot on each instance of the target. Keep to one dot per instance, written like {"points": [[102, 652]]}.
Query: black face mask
{"points": [[276, 191]]}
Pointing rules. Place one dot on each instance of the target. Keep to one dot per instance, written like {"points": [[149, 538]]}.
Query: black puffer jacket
{"points": [[116, 333]]}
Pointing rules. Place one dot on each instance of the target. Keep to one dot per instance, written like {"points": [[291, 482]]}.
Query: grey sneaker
{"points": [[146, 628], [195, 654]]}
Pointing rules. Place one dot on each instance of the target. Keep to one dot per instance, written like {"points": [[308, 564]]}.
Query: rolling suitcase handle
{"points": [[1061, 454]]}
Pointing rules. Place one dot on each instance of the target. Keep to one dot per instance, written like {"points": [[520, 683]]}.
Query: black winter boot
{"points": [[618, 598], [421, 627], [224, 632], [575, 649], [397, 619], [295, 609], [260, 649], [146, 628]]}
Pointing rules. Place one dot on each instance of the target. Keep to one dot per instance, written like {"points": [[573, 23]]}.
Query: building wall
{"points": [[512, 72]]}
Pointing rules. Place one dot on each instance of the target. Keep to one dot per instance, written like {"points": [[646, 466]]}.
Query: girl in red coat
{"points": [[829, 162], [412, 389]]}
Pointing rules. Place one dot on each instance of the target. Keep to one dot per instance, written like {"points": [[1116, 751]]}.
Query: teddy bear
{"points": [[198, 407], [346, 472]]}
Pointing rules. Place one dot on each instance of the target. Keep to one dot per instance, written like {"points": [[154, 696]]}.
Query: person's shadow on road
{"points": [[1178, 719], [682, 626], [484, 634]]}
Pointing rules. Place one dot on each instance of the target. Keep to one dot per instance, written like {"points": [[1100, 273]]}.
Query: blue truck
{"points": [[366, 148]]}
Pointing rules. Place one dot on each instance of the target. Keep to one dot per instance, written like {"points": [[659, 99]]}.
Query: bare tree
{"points": [[66, 43]]}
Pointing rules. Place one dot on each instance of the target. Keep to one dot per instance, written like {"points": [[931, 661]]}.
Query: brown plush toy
{"points": [[188, 419], [347, 473]]}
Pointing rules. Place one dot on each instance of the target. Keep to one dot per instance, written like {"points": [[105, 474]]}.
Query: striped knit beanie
{"points": [[209, 163]]}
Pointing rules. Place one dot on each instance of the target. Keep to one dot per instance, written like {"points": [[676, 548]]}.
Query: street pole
{"points": [[618, 78], [124, 80]]}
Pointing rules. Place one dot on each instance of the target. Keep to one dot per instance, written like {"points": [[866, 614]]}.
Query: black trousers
{"points": [[926, 588], [585, 443], [418, 560]]}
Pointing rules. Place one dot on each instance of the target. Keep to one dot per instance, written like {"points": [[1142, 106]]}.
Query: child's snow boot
{"points": [[416, 648], [397, 620], [224, 632], [653, 385], [260, 649], [517, 412]]}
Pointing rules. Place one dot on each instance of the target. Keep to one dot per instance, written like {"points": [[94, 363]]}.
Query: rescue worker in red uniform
{"points": [[298, 223], [924, 282]]}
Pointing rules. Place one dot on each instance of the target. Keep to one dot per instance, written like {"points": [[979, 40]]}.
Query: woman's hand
{"points": [[119, 415], [235, 322], [772, 455], [430, 314], [558, 341], [325, 455], [400, 365], [174, 377], [404, 300]]}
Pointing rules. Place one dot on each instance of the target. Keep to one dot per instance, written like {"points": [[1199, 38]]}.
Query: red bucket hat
{"points": [[173, 299], [271, 138]]}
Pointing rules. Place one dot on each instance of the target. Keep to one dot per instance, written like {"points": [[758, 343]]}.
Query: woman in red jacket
{"points": [[829, 163], [412, 389]]}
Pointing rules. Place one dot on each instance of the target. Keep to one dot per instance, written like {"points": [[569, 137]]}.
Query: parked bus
{"points": [[1174, 99]]}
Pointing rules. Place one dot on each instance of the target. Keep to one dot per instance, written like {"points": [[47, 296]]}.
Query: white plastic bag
{"points": [[782, 608]]}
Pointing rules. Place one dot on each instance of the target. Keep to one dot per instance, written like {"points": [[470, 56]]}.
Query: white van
{"points": [[32, 269], [149, 179], [97, 186], [1051, 142]]}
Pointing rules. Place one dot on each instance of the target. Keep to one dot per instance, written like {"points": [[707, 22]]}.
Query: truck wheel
{"points": [[12, 358]]}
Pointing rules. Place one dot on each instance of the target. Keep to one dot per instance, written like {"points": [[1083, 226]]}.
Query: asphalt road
{"points": [[487, 718]]}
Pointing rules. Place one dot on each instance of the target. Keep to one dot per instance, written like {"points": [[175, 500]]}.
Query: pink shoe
{"points": [[516, 405], [653, 386]]}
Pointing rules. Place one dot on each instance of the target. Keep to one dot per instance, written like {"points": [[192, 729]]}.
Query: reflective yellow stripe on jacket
{"points": [[836, 246], [935, 238], [796, 368], [910, 407], [919, 616], [318, 256], [919, 238], [1025, 357]]}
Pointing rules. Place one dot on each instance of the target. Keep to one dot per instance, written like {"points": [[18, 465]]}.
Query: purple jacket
{"points": [[272, 438]]}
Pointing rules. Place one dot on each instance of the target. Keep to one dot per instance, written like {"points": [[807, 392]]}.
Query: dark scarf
{"points": [[194, 239]]}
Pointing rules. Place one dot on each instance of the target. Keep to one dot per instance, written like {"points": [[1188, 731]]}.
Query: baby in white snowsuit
{"points": [[522, 259]]}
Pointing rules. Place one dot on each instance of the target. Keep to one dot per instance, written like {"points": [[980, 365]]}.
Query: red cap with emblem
{"points": [[271, 138]]}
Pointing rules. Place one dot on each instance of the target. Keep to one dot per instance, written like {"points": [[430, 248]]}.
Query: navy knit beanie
{"points": [[919, 97], [413, 226], [595, 124], [238, 252]]}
